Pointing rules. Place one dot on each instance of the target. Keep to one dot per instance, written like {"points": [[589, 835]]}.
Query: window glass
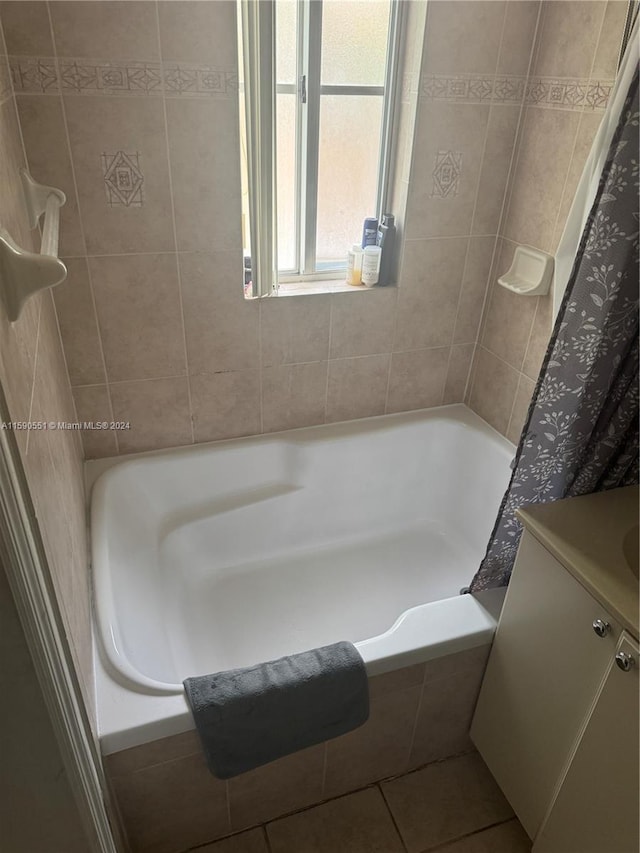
{"points": [[286, 179], [347, 171], [354, 42]]}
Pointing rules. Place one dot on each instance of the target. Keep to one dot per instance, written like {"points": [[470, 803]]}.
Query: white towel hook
{"points": [[24, 273]]}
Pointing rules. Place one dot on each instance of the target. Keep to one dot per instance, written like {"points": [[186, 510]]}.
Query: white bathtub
{"points": [[223, 555]]}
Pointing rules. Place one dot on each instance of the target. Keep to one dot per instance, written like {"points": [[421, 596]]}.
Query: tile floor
{"points": [[452, 806]]}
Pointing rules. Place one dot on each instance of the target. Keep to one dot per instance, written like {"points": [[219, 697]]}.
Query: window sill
{"points": [[328, 286]]}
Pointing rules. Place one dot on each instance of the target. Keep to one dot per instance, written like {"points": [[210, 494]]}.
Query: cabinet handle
{"points": [[601, 628], [625, 661]]}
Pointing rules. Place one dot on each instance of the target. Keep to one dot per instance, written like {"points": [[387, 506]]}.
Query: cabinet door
{"points": [[545, 667], [596, 808]]}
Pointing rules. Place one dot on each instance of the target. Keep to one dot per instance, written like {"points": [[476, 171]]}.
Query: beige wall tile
{"points": [[78, 326], [221, 325], [359, 822], [139, 315], [282, 786], [199, 32], [376, 750], [106, 29], [53, 465], [520, 408], [417, 379], [543, 163], [171, 806], [444, 128], [474, 288], [105, 126], [458, 373], [154, 752], [445, 801], [463, 37], [540, 334], [567, 38], [362, 323], [357, 387], [508, 837], [472, 661], [27, 31], [294, 329], [17, 361], [444, 718], [253, 841], [293, 395], [494, 389], [589, 124], [396, 680], [501, 136], [518, 37], [508, 321], [431, 279], [47, 147], [225, 405], [204, 150], [605, 63], [158, 410], [93, 404], [14, 218]]}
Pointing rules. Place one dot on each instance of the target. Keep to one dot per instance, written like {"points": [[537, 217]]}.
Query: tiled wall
{"points": [[33, 375], [170, 802], [573, 65], [137, 101]]}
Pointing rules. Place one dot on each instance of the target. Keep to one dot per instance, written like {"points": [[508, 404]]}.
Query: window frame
{"points": [[308, 83]]}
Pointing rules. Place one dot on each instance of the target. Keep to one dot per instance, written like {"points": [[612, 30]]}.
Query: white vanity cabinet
{"points": [[553, 708], [596, 803]]}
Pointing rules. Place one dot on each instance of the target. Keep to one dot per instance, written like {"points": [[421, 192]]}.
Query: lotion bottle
{"points": [[371, 265]]}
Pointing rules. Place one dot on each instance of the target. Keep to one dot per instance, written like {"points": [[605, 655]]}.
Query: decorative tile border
{"points": [[32, 75], [568, 94], [556, 93]]}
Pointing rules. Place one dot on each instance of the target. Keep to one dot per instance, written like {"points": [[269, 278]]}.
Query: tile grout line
{"points": [[473, 218], [392, 816], [577, 133], [506, 202], [82, 233], [447, 845], [175, 233]]}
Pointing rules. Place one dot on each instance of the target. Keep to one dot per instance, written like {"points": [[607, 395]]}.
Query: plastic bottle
{"points": [[369, 232], [354, 265], [386, 240], [371, 265]]}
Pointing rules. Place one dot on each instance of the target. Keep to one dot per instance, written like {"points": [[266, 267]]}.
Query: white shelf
{"points": [[530, 273]]}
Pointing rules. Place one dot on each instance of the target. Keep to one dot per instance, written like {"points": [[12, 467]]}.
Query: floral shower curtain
{"points": [[581, 431]]}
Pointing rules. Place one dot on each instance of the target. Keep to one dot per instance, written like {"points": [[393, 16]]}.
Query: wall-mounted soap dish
{"points": [[24, 273], [530, 273]]}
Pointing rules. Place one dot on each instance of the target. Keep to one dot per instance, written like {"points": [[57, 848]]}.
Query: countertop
{"points": [[595, 537]]}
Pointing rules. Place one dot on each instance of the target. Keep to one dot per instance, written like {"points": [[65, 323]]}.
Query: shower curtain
{"points": [[581, 431]]}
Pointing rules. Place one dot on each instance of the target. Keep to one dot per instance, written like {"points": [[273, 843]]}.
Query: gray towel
{"points": [[248, 717]]}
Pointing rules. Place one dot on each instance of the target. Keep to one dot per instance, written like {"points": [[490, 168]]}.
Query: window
{"points": [[316, 127]]}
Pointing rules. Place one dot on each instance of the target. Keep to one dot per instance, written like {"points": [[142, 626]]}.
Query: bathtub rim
{"points": [[128, 718]]}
